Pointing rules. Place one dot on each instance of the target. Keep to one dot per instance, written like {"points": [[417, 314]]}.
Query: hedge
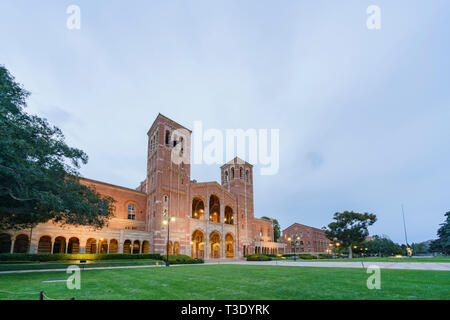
{"points": [[182, 259], [258, 257], [76, 256], [325, 256]]}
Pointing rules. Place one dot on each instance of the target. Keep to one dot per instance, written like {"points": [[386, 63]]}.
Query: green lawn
{"points": [[65, 264], [412, 259], [231, 282]]}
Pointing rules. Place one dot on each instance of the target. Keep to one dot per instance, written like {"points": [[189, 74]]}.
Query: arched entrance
{"points": [[5, 243], [21, 244], [198, 245], [103, 246], [169, 248], [127, 246], [214, 245], [74, 245], [45, 244], [91, 245], [136, 246], [60, 245], [229, 246], [113, 246], [145, 246]]}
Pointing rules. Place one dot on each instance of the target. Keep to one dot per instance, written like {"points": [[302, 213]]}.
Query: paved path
{"points": [[382, 265]]}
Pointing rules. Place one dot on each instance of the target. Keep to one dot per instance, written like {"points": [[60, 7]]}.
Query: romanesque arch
{"points": [[60, 245], [21, 244], [113, 246], [136, 246], [91, 245], [103, 246], [198, 245], [214, 208], [5, 243], [214, 245], [198, 208], [74, 245], [127, 246], [145, 246], [229, 246], [45, 244], [229, 215]]}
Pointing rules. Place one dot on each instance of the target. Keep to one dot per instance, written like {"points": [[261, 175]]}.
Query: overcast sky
{"points": [[363, 114]]}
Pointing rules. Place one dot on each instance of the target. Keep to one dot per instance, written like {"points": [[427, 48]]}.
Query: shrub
{"points": [[75, 256], [307, 256], [325, 256], [258, 257], [182, 259]]}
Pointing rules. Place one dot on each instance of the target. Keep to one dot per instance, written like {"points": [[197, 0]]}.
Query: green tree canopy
{"points": [[442, 243], [350, 228], [382, 246], [276, 228], [38, 170]]}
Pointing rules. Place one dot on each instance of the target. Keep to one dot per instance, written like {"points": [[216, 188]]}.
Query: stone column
{"points": [[53, 243], [12, 245]]}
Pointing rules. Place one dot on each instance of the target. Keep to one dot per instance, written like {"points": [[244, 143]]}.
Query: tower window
{"points": [[131, 212], [241, 173], [232, 173], [167, 139]]}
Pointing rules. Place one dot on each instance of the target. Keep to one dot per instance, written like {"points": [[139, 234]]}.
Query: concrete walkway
{"points": [[381, 265]]}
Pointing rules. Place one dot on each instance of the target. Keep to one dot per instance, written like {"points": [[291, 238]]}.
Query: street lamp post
{"points": [[168, 221], [294, 244]]}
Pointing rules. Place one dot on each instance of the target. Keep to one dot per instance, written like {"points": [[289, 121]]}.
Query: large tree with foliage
{"points": [[382, 246], [276, 228], [350, 228], [442, 244], [38, 170]]}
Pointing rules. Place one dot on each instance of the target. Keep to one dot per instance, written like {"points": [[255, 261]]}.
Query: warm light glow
{"points": [[172, 219], [289, 239], [164, 221], [101, 239]]}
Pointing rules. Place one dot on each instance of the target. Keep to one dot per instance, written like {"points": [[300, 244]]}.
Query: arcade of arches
{"points": [[214, 245]]}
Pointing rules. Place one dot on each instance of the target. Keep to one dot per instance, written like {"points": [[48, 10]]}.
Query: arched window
{"points": [[167, 138], [131, 212], [226, 176], [247, 176], [21, 244], [232, 173], [229, 216], [198, 208], [241, 173], [214, 209]]}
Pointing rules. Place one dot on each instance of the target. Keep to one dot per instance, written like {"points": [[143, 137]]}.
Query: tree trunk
{"points": [[350, 252]]}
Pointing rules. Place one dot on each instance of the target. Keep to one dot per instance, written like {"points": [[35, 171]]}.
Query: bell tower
{"points": [[168, 179], [237, 177]]}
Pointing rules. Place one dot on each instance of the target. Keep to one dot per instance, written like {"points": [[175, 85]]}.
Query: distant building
{"points": [[300, 238]]}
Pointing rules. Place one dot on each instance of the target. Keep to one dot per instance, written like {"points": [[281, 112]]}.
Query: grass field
{"points": [[65, 264], [231, 282]]}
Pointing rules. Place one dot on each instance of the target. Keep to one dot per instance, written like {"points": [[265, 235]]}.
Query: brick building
{"points": [[305, 239], [206, 219]]}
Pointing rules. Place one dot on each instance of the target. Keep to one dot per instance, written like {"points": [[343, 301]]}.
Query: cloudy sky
{"points": [[363, 114]]}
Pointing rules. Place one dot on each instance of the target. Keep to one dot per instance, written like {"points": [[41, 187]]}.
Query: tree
{"points": [[39, 180], [382, 246], [276, 228], [442, 244], [350, 228]]}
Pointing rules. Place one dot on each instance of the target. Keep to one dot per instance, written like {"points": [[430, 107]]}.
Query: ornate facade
{"points": [[206, 219]]}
